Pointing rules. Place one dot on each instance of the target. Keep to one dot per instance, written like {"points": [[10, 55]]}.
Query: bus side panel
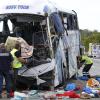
{"points": [[73, 51]]}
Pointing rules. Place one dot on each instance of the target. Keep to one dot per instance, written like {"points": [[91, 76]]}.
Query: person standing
{"points": [[88, 62], [18, 61], [5, 68]]}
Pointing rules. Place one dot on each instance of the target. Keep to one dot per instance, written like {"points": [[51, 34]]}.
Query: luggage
{"points": [[26, 50]]}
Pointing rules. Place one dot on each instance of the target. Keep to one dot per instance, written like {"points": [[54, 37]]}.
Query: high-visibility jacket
{"points": [[87, 59], [16, 63]]}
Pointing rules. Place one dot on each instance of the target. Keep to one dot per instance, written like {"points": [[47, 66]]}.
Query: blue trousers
{"points": [[6, 75]]}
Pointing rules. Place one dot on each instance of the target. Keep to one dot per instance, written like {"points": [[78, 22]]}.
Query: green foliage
{"points": [[89, 37]]}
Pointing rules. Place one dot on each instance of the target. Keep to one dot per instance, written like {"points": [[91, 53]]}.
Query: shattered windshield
{"points": [[33, 30]]}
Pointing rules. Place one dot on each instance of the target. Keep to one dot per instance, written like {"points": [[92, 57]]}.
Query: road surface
{"points": [[95, 70]]}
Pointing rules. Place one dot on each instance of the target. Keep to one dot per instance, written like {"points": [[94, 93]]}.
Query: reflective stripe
{"points": [[4, 54], [85, 73]]}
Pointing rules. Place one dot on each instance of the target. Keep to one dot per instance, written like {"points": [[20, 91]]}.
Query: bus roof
{"points": [[37, 7]]}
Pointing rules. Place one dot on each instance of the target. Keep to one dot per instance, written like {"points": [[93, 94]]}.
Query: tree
{"points": [[89, 37]]}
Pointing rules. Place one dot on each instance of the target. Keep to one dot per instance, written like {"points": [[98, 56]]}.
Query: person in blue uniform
{"points": [[5, 68]]}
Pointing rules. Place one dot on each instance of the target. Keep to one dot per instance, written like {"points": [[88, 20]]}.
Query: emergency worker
{"points": [[88, 62], [5, 68], [18, 61]]}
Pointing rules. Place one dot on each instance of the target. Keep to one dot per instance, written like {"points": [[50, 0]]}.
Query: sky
{"points": [[88, 12]]}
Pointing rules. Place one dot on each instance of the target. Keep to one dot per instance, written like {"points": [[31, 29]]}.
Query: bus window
{"points": [[10, 26], [5, 30], [40, 33], [75, 22], [72, 22], [1, 26], [65, 22]]}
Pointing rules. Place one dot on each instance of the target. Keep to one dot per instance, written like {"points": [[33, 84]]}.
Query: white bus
{"points": [[54, 34]]}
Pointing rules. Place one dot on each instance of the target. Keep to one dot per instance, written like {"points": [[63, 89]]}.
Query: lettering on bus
{"points": [[23, 7], [17, 7], [11, 7]]}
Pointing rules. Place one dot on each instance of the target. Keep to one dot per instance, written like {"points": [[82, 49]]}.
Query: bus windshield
{"points": [[33, 30]]}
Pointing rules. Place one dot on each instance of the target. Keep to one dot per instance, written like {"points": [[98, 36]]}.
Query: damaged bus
{"points": [[49, 35]]}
